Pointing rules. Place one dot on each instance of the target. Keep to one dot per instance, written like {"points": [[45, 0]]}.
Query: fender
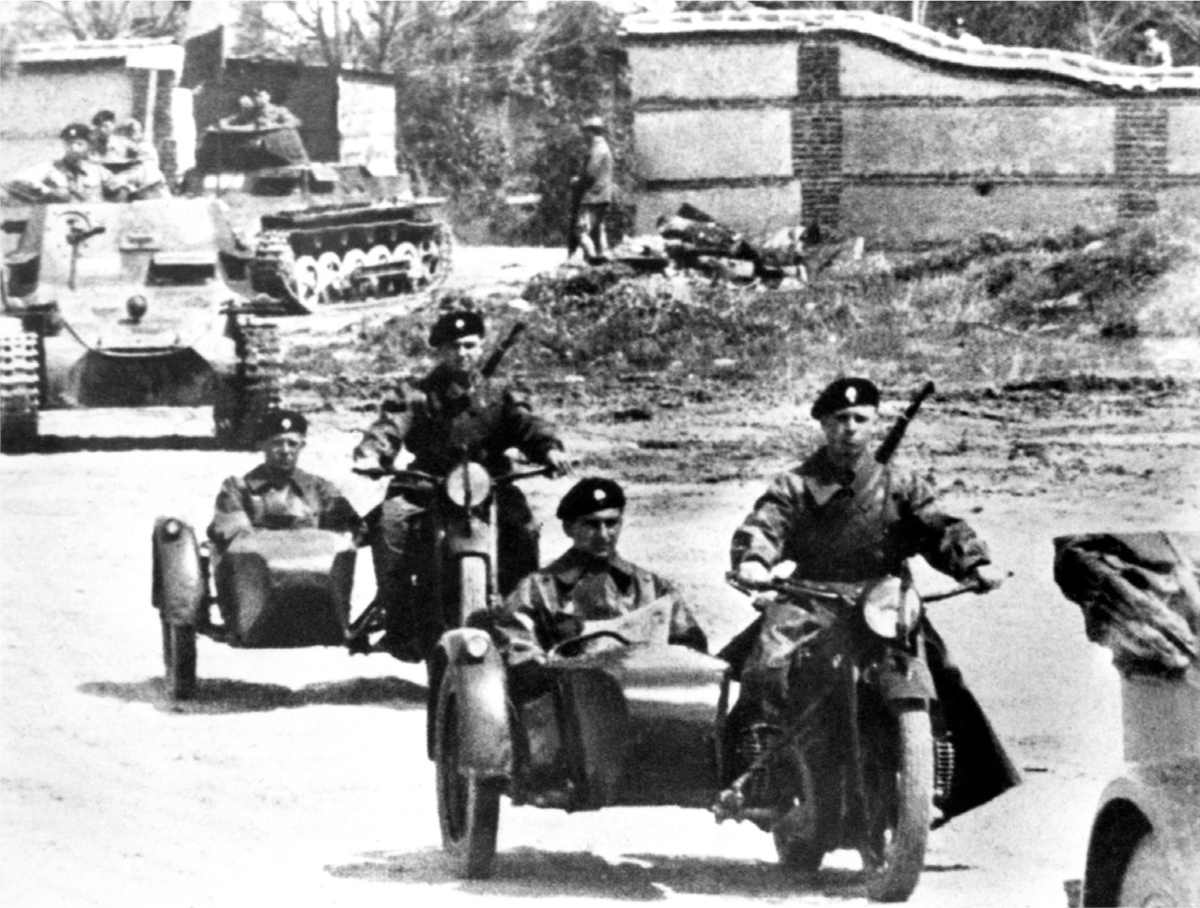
{"points": [[1158, 797], [903, 677], [179, 588], [481, 685]]}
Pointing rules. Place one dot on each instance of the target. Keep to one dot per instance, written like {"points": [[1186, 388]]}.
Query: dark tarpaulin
{"points": [[1138, 593]]}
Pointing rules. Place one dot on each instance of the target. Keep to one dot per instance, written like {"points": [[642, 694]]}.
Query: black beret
{"points": [[279, 421], [76, 131], [453, 325], [845, 392], [104, 116], [589, 496]]}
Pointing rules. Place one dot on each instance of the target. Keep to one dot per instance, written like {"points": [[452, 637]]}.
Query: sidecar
{"points": [[271, 589], [636, 725]]}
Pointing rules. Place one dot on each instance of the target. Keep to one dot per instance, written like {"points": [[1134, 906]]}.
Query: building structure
{"points": [[880, 128]]}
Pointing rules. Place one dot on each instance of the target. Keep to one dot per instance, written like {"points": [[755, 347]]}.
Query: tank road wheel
{"points": [[352, 261], [19, 396], [305, 285], [468, 807], [329, 276], [252, 390], [407, 254], [379, 255], [902, 804], [179, 660], [1148, 875]]}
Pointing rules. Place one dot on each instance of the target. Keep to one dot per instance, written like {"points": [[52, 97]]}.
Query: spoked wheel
{"points": [[1148, 875], [901, 804], [179, 660], [468, 806]]}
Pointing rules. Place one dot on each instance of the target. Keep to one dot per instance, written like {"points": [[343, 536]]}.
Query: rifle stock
{"points": [[493, 361], [896, 434]]}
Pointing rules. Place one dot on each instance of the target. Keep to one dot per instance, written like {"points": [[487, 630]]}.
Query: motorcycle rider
{"points": [[276, 494], [589, 581], [842, 516], [453, 410]]}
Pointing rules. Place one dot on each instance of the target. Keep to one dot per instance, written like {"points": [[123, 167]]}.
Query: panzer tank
{"points": [[109, 304], [314, 235]]}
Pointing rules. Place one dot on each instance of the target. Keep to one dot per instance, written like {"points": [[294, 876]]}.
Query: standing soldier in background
{"points": [[592, 191], [1153, 50]]}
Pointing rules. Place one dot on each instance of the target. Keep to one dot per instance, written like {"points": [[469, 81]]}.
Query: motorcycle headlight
{"points": [[468, 485], [891, 609]]}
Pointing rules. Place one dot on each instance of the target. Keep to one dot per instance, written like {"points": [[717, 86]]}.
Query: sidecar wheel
{"points": [[904, 809], [468, 806], [179, 660]]}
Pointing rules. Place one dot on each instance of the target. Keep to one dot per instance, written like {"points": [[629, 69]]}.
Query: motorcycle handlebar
{"points": [[429, 479], [780, 585]]}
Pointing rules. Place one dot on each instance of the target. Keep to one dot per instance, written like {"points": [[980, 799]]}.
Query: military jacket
{"points": [[850, 527], [435, 419], [591, 589], [597, 173], [81, 181], [263, 499]]}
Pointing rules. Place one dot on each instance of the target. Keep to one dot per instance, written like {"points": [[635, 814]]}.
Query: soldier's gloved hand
{"points": [[985, 578], [753, 573], [557, 461]]}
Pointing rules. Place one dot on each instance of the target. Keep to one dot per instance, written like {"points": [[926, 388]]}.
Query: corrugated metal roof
{"points": [[72, 51], [917, 40]]}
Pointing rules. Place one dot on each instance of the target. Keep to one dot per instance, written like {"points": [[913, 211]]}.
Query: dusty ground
{"points": [[299, 777]]}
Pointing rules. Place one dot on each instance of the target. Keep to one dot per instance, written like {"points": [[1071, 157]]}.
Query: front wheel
{"points": [[902, 809], [179, 660], [468, 806]]}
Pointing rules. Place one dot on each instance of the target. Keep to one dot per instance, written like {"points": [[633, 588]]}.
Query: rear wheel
{"points": [[468, 806], [902, 807], [19, 395], [179, 660], [1148, 875]]}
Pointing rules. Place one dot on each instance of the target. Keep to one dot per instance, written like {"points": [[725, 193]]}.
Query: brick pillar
{"points": [[817, 131], [1139, 156]]}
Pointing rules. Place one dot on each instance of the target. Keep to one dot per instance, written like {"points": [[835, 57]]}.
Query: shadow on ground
{"points": [[635, 877], [223, 695]]}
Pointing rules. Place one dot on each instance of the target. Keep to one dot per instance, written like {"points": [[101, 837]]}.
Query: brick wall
{"points": [[817, 130]]}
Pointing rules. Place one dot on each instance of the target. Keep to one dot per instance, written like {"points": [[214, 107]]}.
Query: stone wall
{"points": [[874, 127]]}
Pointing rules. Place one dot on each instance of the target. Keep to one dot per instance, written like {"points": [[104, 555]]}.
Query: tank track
{"points": [[19, 394], [254, 388], [317, 268]]}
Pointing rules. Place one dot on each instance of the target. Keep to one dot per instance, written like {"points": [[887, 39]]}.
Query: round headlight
{"points": [[477, 646], [468, 485], [171, 528], [882, 607]]}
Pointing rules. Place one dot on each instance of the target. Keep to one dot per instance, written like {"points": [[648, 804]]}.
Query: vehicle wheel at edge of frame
{"points": [[1146, 881], [468, 807], [895, 878], [179, 660]]}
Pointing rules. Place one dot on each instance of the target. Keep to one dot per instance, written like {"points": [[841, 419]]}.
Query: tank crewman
{"points": [[1152, 48], [75, 177], [590, 581], [842, 516], [453, 411], [276, 494], [133, 163], [245, 120], [592, 193], [269, 116]]}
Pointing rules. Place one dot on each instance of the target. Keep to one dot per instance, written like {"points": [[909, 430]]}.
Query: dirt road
{"points": [[299, 777]]}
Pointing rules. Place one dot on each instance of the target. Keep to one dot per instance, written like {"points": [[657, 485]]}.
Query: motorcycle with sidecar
{"points": [[281, 588], [861, 761]]}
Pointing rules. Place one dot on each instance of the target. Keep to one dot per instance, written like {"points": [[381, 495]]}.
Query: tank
{"points": [[315, 235], [124, 305]]}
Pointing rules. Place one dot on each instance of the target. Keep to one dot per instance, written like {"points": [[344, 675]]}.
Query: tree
{"points": [[87, 20]]}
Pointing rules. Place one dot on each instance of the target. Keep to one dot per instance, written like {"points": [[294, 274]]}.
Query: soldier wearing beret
{"points": [[74, 177], [452, 411], [842, 516], [276, 494], [590, 581]]}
